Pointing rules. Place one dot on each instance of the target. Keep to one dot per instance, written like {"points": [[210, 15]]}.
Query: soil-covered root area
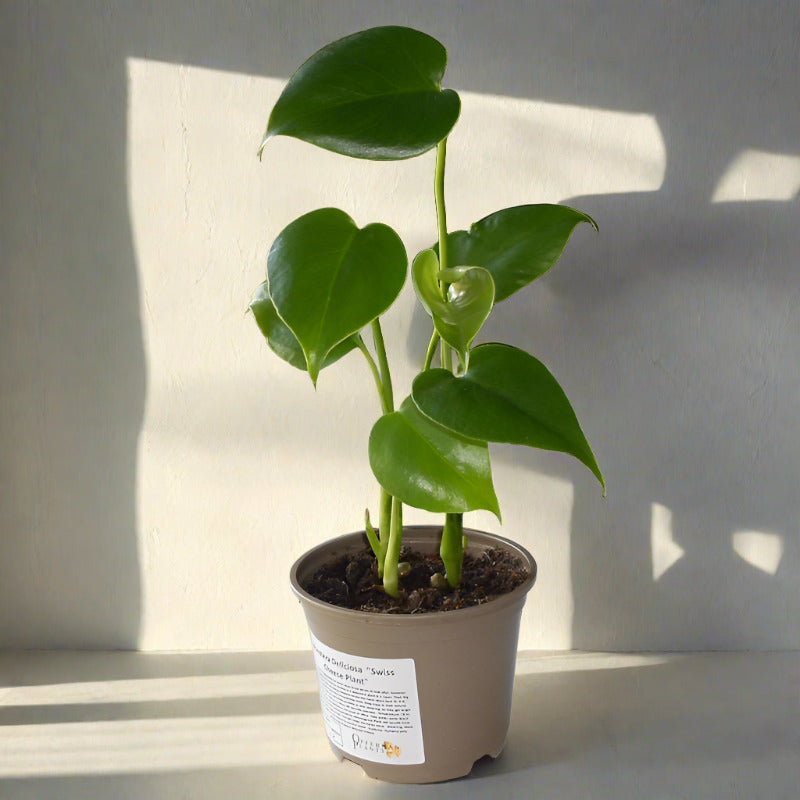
{"points": [[351, 581]]}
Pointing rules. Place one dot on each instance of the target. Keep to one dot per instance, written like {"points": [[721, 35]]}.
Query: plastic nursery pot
{"points": [[415, 698]]}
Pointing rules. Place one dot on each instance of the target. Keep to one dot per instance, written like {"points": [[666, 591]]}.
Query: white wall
{"points": [[160, 469]]}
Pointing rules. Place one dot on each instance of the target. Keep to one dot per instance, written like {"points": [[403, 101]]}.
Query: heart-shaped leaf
{"points": [[506, 395], [281, 340], [430, 467], [375, 94], [328, 279], [516, 245], [470, 296]]}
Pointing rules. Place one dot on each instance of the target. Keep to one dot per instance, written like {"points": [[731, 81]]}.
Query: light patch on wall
{"points": [[760, 549], [758, 175], [562, 150], [230, 433], [541, 520], [665, 550]]}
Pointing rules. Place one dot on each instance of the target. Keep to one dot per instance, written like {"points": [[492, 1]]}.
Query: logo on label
{"points": [[392, 750]]}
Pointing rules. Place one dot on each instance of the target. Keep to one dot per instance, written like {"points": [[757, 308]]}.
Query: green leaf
{"points": [[430, 467], [517, 245], [375, 94], [470, 297], [328, 279], [281, 340], [506, 395]]}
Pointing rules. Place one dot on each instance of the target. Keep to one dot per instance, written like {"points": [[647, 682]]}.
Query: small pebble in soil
{"points": [[438, 581]]}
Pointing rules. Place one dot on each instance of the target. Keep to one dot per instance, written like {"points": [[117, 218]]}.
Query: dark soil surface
{"points": [[351, 581]]}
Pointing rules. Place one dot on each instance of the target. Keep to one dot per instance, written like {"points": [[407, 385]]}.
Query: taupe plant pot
{"points": [[433, 689]]}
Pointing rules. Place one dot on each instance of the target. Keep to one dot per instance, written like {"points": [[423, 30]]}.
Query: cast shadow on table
{"points": [[65, 687], [240, 706], [653, 713]]}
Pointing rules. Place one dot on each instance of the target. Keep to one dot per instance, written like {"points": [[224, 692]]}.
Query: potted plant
{"points": [[393, 694]]}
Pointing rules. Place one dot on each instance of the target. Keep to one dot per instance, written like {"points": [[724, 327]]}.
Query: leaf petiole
{"points": [[431, 351]]}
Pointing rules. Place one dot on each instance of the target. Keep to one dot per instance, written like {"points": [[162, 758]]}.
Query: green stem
{"points": [[452, 548], [447, 358], [373, 539], [387, 397], [441, 214], [431, 351], [387, 402], [391, 581], [441, 222], [383, 380], [384, 527], [375, 372]]}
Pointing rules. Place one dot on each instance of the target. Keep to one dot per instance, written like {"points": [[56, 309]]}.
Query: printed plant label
{"points": [[370, 705]]}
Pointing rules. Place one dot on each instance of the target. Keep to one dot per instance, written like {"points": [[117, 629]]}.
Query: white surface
{"points": [[160, 470], [208, 726]]}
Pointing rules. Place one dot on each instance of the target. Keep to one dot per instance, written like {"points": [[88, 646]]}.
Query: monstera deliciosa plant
{"points": [[377, 95]]}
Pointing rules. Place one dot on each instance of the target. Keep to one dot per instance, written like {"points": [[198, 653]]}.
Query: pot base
{"points": [[417, 773]]}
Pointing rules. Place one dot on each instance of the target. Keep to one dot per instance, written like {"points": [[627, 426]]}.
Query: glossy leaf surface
{"points": [[328, 279], [281, 340], [470, 297], [517, 245], [508, 396], [375, 94], [430, 467]]}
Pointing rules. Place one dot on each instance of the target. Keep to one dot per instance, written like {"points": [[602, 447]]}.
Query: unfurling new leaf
{"points": [[458, 299]]}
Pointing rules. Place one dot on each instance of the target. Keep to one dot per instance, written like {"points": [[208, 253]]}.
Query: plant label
{"points": [[370, 706]]}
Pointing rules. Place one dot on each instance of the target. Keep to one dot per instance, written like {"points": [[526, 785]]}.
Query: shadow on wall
{"points": [[73, 368], [694, 345], [674, 331], [682, 356], [72, 372], [684, 340]]}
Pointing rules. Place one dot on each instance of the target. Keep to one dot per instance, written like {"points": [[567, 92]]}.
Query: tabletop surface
{"points": [[203, 726]]}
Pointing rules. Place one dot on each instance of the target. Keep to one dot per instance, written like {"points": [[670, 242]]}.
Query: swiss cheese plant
{"points": [[378, 95]]}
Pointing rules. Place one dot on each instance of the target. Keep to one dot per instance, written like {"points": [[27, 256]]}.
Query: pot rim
{"points": [[495, 605]]}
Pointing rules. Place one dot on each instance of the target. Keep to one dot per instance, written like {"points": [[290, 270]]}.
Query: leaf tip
{"points": [[267, 136], [592, 223], [494, 506], [599, 475]]}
